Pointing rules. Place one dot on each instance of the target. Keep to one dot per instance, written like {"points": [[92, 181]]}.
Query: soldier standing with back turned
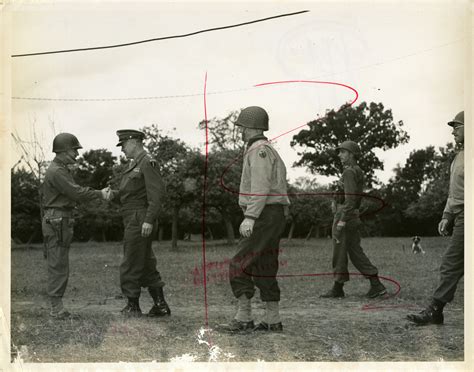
{"points": [[60, 195], [346, 223]]}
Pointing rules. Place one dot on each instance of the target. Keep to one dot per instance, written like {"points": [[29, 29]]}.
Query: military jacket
{"points": [[352, 183], [142, 187], [61, 191], [263, 179], [455, 202]]}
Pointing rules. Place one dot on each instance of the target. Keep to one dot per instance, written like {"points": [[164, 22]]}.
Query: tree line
{"points": [[412, 200]]}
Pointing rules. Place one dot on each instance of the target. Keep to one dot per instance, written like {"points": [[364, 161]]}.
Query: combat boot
{"points": [[263, 326], [133, 308], [236, 326], [57, 309], [376, 288], [160, 307], [335, 292], [433, 314], [242, 321], [271, 320], [60, 314]]}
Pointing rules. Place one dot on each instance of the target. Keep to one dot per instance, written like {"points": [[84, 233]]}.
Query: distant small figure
{"points": [[416, 246]]}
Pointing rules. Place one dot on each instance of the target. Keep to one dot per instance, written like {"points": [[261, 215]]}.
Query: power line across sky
{"points": [[188, 95]]}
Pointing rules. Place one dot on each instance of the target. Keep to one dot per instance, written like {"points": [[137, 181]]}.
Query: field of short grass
{"points": [[349, 329]]}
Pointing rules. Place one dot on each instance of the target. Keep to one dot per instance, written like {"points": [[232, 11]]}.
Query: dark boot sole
{"points": [[378, 294], [266, 328], [231, 330], [421, 322], [157, 315], [235, 332]]}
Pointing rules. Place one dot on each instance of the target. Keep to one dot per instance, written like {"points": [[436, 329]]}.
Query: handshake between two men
{"points": [[107, 193]]}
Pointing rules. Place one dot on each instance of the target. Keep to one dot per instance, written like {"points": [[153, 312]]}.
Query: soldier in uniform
{"points": [[452, 264], [264, 201], [60, 195], [346, 223], [141, 193]]}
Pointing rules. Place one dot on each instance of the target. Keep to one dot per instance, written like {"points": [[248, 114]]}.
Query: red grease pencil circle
{"points": [[383, 204], [381, 201], [313, 82]]}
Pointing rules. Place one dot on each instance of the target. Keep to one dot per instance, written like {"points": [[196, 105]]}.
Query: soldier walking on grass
{"points": [[141, 194], [452, 263], [60, 195], [346, 224], [264, 201]]}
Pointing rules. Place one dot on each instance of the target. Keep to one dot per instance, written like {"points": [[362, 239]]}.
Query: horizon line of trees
{"points": [[414, 196]]}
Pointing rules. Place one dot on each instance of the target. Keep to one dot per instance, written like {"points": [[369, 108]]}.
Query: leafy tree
{"points": [[25, 206], [406, 186], [95, 168], [417, 193], [223, 134], [430, 205], [224, 170], [177, 164], [310, 209], [371, 126], [99, 220], [33, 157]]}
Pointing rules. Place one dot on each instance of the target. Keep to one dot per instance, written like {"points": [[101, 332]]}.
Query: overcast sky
{"points": [[410, 57]]}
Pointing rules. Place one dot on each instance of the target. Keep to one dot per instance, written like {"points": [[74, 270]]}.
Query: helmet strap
{"points": [[68, 157]]}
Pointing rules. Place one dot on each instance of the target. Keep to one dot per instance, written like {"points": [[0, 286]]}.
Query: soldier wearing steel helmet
{"points": [[141, 194], [346, 223], [264, 202], [452, 264], [60, 194]]}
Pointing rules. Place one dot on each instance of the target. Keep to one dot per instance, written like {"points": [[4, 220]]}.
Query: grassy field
{"points": [[314, 329]]}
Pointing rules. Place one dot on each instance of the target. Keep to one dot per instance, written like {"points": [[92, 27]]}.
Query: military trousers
{"points": [[349, 247], [138, 267], [58, 229], [256, 262], [452, 264]]}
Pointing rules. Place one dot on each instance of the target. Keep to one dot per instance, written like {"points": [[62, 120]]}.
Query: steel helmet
{"points": [[253, 117], [350, 146], [458, 119], [65, 141]]}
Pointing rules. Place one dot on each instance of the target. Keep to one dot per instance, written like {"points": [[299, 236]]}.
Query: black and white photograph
{"points": [[193, 185]]}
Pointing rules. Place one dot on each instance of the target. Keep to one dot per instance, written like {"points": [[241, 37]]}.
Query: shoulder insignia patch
{"points": [[262, 153], [153, 163]]}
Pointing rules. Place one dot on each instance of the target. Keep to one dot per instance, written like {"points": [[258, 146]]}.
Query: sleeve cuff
{"points": [[149, 220], [447, 216]]}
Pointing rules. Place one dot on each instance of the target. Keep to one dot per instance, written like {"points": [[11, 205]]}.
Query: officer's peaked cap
{"points": [[458, 119], [126, 134]]}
